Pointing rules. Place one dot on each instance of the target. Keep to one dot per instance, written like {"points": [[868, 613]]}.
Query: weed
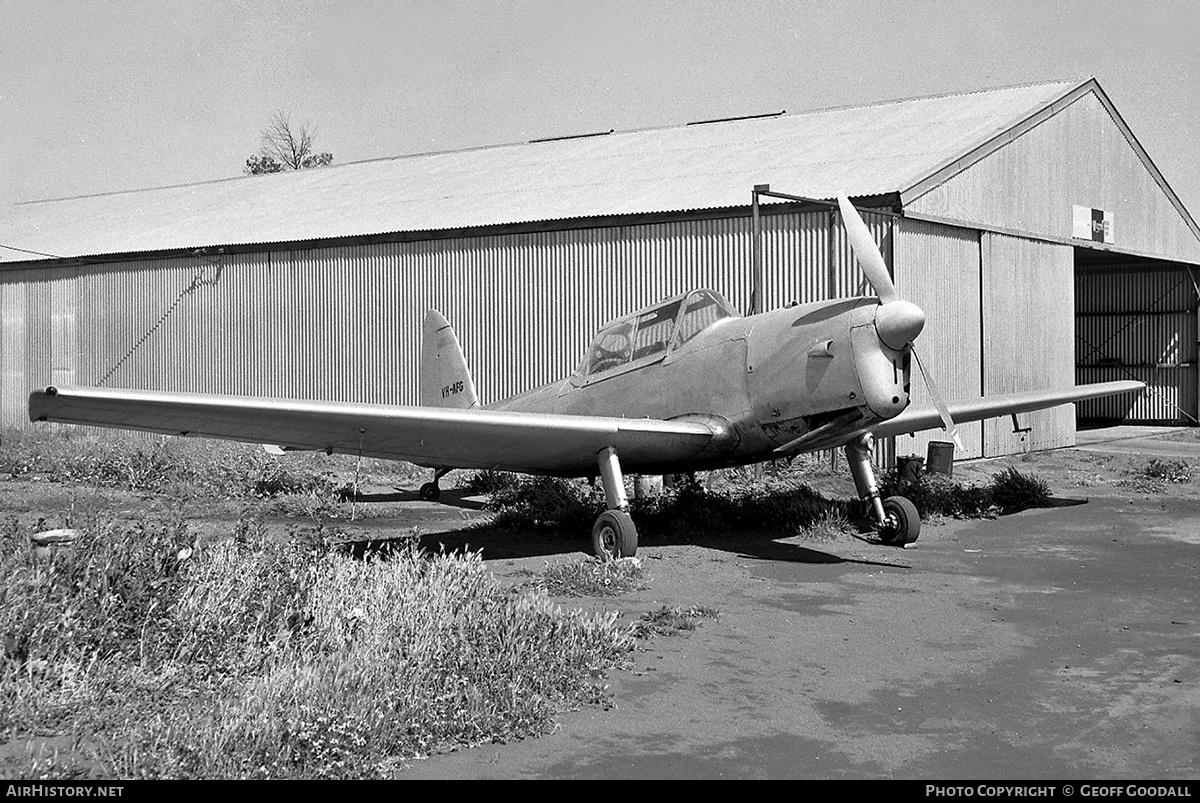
{"points": [[547, 503], [829, 526], [671, 621], [181, 467], [775, 502], [261, 656], [488, 482], [1012, 490], [592, 578], [772, 503], [1169, 470], [938, 495]]}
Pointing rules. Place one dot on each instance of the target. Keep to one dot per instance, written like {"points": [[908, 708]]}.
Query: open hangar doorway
{"points": [[1135, 318]]}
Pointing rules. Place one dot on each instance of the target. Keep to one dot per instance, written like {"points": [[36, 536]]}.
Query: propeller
{"points": [[897, 321], [939, 403], [867, 252]]}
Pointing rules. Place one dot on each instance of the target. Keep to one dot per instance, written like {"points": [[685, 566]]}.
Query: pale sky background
{"points": [[103, 96]]}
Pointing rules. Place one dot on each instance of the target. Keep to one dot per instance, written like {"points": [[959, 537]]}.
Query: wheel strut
{"points": [[858, 457], [895, 518], [614, 534]]}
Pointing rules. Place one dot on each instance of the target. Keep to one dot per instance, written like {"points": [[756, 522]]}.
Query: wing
{"points": [[533, 443], [995, 406]]}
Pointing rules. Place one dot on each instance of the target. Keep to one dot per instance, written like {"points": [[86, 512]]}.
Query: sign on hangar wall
{"points": [[1092, 224]]}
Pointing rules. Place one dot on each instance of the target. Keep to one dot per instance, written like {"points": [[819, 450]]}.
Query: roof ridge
{"points": [[544, 140], [1074, 82]]}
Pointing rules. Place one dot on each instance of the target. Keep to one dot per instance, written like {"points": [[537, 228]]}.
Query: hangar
{"points": [[1027, 221]]}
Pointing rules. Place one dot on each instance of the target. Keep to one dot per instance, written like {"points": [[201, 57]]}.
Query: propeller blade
{"points": [[938, 402], [866, 252]]}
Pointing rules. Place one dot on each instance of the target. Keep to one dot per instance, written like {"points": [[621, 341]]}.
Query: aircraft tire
{"points": [[904, 522], [614, 535], [430, 492]]}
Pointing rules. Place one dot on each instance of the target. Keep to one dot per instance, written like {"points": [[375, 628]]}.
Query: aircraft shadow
{"points": [[496, 543], [1055, 501], [773, 547]]}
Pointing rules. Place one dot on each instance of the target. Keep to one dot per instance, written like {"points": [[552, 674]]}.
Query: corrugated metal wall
{"points": [[344, 323], [1138, 321], [937, 268], [1028, 320], [1079, 156], [13, 348]]}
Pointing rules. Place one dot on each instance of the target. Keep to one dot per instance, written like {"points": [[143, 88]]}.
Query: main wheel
{"points": [[614, 535], [903, 523], [430, 492]]}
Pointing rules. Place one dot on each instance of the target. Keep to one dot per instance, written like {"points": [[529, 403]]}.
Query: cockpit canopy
{"points": [[648, 335]]}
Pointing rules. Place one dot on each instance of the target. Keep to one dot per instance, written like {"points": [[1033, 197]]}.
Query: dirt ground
{"points": [[1056, 643], [1059, 643]]}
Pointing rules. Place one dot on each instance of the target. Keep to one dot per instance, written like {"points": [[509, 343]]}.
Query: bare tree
{"points": [[286, 146]]}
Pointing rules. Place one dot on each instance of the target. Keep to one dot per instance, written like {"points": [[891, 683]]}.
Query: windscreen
{"points": [[650, 334], [612, 348], [654, 330], [703, 309]]}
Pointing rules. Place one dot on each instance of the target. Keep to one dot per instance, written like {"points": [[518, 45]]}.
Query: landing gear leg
{"points": [[430, 491], [895, 517], [614, 534]]}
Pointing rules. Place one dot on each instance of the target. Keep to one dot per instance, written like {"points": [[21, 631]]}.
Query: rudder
{"points": [[445, 379]]}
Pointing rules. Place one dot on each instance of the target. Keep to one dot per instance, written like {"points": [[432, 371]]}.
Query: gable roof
{"points": [[884, 148]]}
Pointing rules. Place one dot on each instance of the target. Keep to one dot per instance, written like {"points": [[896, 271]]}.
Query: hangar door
{"points": [[1136, 319]]}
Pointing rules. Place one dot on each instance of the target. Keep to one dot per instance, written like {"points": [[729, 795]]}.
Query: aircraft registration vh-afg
{"points": [[685, 385]]}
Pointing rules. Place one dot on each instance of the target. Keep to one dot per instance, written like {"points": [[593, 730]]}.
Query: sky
{"points": [[99, 97]]}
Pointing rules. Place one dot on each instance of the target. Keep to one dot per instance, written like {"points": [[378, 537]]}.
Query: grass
{"points": [[780, 503], [487, 482], [776, 500], [592, 578], [185, 467], [276, 657], [178, 466], [671, 621], [545, 503], [1177, 471], [934, 495], [829, 526], [1150, 478], [1012, 490], [310, 485]]}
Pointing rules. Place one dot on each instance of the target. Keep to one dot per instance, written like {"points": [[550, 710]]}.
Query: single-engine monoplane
{"points": [[684, 385]]}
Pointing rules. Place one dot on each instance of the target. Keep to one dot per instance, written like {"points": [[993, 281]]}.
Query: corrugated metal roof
{"points": [[866, 150]]}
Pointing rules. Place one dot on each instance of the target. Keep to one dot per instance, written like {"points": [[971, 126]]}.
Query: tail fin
{"points": [[445, 380]]}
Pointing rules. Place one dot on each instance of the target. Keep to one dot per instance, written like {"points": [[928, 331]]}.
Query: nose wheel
{"points": [[896, 518], [902, 523]]}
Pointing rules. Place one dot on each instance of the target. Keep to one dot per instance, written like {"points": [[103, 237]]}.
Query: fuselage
{"points": [[814, 376]]}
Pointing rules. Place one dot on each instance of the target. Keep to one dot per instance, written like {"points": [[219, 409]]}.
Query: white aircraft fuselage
{"points": [[763, 381]]}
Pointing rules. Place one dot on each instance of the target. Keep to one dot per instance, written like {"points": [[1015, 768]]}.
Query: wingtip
{"points": [[38, 401]]}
